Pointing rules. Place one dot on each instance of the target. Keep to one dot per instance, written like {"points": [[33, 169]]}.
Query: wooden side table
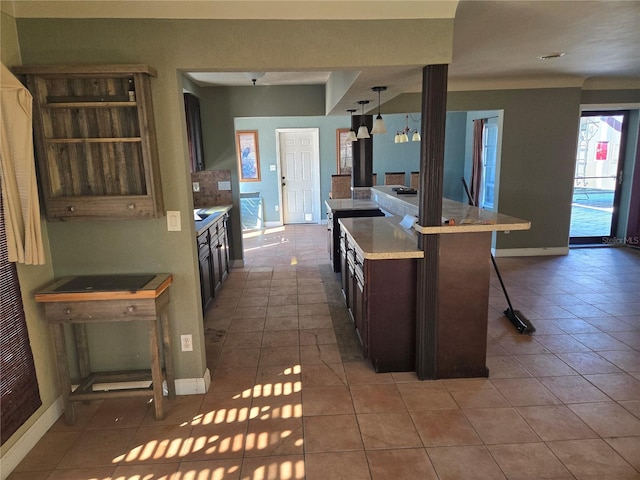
{"points": [[110, 298]]}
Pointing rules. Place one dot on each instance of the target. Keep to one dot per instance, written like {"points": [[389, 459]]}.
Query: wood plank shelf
{"points": [[92, 104], [95, 140]]}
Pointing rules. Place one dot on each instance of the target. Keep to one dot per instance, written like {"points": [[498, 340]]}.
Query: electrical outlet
{"points": [[277, 208], [196, 186], [186, 343]]}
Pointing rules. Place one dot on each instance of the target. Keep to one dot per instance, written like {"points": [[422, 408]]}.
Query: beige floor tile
{"points": [[283, 290], [409, 463], [274, 436], [530, 461], [607, 419], [41, 475], [331, 433], [323, 353], [444, 428], [239, 358], [279, 300], [280, 356], [375, 398], [556, 422], [337, 466], [226, 469], [500, 425], [158, 471], [484, 398], [362, 372], [327, 400], [282, 310], [317, 336], [628, 448], [281, 323], [417, 397], [618, 386], [315, 320], [323, 374], [462, 463], [120, 413], [214, 442], [84, 411], [632, 406], [102, 473], [183, 409], [573, 389], [586, 363], [98, 448], [247, 324], [282, 338], [628, 360], [46, 454], [524, 391], [505, 367], [281, 467], [600, 341], [544, 365], [315, 309], [564, 343], [236, 380], [591, 459], [243, 340], [279, 405], [253, 301], [249, 312], [224, 407], [388, 431]]}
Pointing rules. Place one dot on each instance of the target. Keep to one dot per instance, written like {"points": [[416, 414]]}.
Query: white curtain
{"points": [[17, 173]]}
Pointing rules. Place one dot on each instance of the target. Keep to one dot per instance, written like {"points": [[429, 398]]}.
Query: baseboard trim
{"points": [[28, 440], [529, 252], [20, 449]]}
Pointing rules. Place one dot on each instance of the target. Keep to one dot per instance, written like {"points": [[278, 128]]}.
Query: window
{"points": [[19, 394]]}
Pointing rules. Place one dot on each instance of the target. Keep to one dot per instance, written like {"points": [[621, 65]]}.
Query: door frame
{"points": [[617, 195], [316, 171]]}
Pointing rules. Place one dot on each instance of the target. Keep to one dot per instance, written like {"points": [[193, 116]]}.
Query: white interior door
{"points": [[489, 157], [299, 156]]}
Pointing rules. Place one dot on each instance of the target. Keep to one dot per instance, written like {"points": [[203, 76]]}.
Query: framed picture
{"points": [[344, 152], [248, 155]]}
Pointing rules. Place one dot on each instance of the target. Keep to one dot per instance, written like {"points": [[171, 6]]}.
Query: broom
{"points": [[515, 316]]}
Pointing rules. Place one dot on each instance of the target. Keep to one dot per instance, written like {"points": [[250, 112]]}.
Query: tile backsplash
{"points": [[213, 184]]}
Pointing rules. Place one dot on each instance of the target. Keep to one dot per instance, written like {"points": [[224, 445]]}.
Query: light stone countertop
{"points": [[208, 215], [380, 238], [334, 205]]}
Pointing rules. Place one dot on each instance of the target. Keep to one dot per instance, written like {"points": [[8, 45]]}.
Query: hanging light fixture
{"points": [[378, 124], [351, 137], [402, 136], [363, 132]]}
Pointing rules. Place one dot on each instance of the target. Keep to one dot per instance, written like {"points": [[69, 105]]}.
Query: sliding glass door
{"points": [[598, 177]]}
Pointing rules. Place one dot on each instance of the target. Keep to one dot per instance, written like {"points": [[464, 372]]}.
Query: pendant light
{"points": [[351, 137], [378, 124], [363, 132], [402, 136]]}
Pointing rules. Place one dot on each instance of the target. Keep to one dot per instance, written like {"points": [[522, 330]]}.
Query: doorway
{"points": [[598, 177], [299, 164]]}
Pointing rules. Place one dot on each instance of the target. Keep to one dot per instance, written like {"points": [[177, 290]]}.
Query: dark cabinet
{"points": [[334, 233], [213, 254], [381, 297]]}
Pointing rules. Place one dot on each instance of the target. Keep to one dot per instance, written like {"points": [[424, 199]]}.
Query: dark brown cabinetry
{"points": [[95, 141], [333, 229], [381, 296], [213, 256]]}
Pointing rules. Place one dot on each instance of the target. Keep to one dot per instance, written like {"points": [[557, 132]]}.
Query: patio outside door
{"points": [[598, 177]]}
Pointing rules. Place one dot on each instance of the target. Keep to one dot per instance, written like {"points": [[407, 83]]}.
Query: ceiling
{"points": [[496, 44]]}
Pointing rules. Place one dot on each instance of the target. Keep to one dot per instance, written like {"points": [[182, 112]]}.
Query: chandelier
{"points": [[402, 136]]}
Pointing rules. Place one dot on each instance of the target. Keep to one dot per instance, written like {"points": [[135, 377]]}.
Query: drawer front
{"points": [[101, 311], [87, 208]]}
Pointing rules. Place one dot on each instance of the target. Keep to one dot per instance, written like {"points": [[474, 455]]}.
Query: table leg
{"points": [[82, 348], [156, 369], [63, 372], [168, 354]]}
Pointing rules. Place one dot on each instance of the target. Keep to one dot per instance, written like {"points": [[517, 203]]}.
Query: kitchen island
{"points": [[381, 286]]}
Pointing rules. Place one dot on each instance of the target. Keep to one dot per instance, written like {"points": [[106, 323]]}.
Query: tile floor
{"points": [[292, 398]]}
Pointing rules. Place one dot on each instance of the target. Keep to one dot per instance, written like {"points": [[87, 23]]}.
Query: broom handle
{"points": [[493, 260]]}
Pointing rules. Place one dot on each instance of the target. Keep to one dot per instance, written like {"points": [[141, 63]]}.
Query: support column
{"points": [[362, 173], [434, 110]]}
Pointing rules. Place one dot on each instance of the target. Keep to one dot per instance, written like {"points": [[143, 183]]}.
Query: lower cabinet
{"points": [[381, 297], [213, 254]]}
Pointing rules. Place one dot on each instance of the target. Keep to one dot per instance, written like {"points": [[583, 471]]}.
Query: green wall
{"points": [[32, 278], [173, 47]]}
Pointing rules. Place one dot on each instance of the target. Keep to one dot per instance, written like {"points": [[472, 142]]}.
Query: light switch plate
{"points": [[173, 221], [225, 185], [272, 168]]}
